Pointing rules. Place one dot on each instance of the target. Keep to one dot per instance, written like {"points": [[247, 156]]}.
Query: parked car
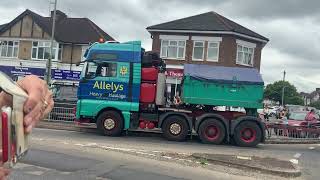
{"points": [[65, 99], [297, 126], [63, 94]]}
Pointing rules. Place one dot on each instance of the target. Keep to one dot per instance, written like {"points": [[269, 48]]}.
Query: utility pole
{"points": [[49, 61], [282, 97]]}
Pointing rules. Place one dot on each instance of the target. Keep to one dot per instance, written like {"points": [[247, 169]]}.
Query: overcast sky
{"points": [[293, 26]]}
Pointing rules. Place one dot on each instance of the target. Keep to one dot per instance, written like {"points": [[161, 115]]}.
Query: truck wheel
{"points": [[211, 131], [247, 134], [110, 123], [175, 128]]}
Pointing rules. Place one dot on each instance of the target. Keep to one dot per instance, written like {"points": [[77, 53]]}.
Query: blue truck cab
{"points": [[110, 80]]}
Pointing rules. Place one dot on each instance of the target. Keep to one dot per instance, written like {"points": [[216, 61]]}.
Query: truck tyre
{"points": [[211, 131], [175, 128], [110, 123], [247, 134]]}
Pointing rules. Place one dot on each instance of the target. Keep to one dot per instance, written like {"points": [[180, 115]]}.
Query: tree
{"points": [[274, 92], [315, 104]]}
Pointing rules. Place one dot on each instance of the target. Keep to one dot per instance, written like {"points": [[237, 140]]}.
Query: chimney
{"points": [[59, 15]]}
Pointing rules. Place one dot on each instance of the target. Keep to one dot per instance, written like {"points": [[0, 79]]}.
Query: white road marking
{"points": [[311, 147], [244, 157], [91, 144], [79, 144], [37, 173], [167, 157], [294, 161], [297, 155], [143, 153]]}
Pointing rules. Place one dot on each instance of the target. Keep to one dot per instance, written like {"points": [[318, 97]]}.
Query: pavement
{"points": [[263, 164], [68, 154]]}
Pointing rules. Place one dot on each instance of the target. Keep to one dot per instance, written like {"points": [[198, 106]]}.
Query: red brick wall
{"points": [[227, 50]]}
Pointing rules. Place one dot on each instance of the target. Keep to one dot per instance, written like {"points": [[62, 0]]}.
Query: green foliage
{"points": [[315, 104], [274, 92]]}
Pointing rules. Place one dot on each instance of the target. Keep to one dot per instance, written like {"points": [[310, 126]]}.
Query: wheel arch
{"points": [[218, 117], [109, 109], [164, 116], [241, 119]]}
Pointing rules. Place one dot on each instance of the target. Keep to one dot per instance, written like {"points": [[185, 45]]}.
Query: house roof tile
{"points": [[68, 30], [210, 21]]}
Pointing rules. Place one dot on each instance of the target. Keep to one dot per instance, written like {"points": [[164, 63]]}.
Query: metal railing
{"points": [[285, 131], [62, 112]]}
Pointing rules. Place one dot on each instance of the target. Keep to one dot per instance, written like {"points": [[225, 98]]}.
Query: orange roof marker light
{"points": [[101, 40]]}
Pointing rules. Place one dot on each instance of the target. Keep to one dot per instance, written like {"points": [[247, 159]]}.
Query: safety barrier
{"points": [[62, 112], [285, 131]]}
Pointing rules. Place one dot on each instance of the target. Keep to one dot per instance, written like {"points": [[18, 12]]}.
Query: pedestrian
{"points": [[311, 116], [283, 113], [37, 106], [266, 113]]}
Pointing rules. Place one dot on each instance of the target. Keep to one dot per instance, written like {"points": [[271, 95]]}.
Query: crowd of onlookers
{"points": [[279, 112]]}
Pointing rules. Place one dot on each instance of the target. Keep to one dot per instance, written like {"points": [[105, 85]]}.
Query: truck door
{"points": [[105, 80]]}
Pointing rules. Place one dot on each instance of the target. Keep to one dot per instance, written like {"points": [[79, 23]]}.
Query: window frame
{"points": [[55, 50], [89, 65], [7, 48], [177, 46], [249, 46], [218, 48], [203, 49]]}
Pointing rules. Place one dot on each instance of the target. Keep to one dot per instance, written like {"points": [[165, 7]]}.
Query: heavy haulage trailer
{"points": [[122, 87]]}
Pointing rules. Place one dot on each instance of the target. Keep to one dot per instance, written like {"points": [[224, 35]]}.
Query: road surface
{"points": [[57, 154]]}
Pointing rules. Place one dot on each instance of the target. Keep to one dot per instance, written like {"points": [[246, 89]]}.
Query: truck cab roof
{"points": [[120, 52]]}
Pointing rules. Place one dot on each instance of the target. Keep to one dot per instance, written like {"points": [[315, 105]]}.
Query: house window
{"points": [[245, 52], [213, 51], [9, 48], [198, 50], [41, 50], [173, 49]]}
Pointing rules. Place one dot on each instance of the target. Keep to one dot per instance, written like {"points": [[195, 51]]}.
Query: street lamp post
{"points": [[49, 61], [282, 97]]}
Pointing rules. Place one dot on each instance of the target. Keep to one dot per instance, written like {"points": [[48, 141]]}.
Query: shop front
{"points": [[174, 77], [57, 75]]}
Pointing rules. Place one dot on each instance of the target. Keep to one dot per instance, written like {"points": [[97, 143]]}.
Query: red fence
{"points": [[280, 131]]}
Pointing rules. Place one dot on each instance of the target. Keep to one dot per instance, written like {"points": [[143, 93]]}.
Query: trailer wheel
{"points": [[211, 131], [247, 134], [110, 123], [175, 128]]}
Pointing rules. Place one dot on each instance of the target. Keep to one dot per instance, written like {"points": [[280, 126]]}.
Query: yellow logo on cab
{"points": [[123, 70]]}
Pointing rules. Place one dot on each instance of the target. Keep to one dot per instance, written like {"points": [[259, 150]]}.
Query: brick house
{"points": [[207, 38], [25, 44], [308, 98]]}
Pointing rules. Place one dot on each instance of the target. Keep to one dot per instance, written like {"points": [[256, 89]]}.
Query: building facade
{"points": [[312, 97], [25, 45], [207, 38]]}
